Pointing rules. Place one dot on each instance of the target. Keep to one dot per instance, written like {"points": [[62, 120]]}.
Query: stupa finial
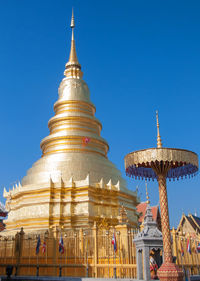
{"points": [[147, 194], [72, 20], [159, 142], [72, 67]]}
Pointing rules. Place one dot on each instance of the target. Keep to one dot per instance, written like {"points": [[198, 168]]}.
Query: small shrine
{"points": [[148, 243], [149, 239]]}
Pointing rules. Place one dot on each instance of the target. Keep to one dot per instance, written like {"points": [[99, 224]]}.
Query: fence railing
{"points": [[87, 253], [185, 251]]}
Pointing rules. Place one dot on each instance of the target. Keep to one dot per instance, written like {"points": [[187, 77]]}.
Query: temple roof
{"points": [[192, 221], [2, 225], [196, 219], [150, 229], [141, 208], [3, 212]]}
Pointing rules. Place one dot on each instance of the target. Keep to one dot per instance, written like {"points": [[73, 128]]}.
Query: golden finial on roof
{"points": [[123, 215], [147, 194], [159, 142], [72, 67]]}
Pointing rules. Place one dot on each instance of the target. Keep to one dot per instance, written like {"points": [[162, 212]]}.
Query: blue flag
{"points": [[38, 246], [114, 242]]}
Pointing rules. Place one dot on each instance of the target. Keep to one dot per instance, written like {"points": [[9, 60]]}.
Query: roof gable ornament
{"points": [[123, 218]]}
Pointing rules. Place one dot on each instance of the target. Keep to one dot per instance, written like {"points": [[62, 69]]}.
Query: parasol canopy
{"points": [[179, 162]]}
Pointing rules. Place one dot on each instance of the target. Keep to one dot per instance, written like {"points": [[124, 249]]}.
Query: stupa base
{"points": [[170, 272]]}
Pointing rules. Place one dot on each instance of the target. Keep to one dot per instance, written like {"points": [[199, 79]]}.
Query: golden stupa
{"points": [[73, 184]]}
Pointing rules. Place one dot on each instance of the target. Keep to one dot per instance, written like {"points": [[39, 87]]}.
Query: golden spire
{"points": [[72, 67], [147, 194], [159, 142], [72, 20]]}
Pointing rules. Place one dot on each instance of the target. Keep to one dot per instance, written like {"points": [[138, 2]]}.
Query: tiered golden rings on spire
{"points": [[159, 142], [147, 194], [72, 67], [72, 19]]}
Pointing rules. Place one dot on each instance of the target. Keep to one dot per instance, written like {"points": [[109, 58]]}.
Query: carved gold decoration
{"points": [[103, 223], [176, 157], [123, 215]]}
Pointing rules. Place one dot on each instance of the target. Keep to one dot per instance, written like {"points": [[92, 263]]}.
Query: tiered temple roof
{"points": [[141, 208], [189, 224], [3, 211]]}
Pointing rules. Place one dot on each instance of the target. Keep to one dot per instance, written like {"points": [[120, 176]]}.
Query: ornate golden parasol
{"points": [[161, 163]]}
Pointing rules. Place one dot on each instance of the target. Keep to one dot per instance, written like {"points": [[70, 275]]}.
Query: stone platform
{"points": [[195, 278]]}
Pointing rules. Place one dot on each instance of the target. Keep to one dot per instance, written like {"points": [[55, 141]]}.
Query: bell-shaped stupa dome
{"points": [[74, 146]]}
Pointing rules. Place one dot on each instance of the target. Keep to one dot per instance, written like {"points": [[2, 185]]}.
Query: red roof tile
{"points": [[141, 208], [2, 225]]}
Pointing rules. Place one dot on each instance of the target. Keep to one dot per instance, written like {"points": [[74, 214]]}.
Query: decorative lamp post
{"points": [[161, 163]]}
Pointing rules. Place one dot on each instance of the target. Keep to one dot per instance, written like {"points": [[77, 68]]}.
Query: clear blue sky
{"points": [[137, 56]]}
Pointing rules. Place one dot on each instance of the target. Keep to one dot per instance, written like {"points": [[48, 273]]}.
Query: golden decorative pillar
{"points": [[81, 239], [168, 270], [94, 231], [165, 218]]}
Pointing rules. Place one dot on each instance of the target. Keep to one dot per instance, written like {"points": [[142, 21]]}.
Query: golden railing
{"points": [[86, 253]]}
